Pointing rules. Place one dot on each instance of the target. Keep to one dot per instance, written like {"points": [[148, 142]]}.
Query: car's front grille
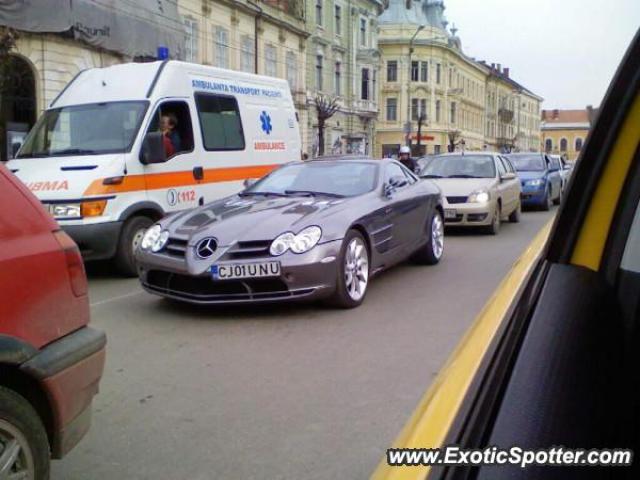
{"points": [[176, 247], [454, 200], [206, 290], [458, 218], [251, 249]]}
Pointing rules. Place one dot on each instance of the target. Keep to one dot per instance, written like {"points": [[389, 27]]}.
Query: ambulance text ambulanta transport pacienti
{"points": [[124, 145]]}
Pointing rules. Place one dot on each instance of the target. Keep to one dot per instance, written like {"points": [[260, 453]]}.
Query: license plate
{"points": [[245, 270], [449, 214]]}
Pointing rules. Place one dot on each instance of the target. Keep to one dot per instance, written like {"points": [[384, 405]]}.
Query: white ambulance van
{"points": [[123, 146]]}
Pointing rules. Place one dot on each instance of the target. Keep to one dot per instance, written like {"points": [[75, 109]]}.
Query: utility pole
{"points": [[410, 71]]}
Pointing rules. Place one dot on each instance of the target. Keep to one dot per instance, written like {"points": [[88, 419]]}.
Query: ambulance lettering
{"points": [[48, 186]]}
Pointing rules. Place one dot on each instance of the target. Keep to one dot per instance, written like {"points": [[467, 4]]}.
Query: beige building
{"points": [[564, 132], [457, 102], [343, 63]]}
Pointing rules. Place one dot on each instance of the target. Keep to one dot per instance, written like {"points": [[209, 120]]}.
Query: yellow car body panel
{"points": [[432, 419], [595, 230]]}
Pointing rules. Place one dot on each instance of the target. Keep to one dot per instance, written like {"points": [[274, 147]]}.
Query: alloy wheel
{"points": [[16, 458], [437, 235], [137, 239], [356, 269]]}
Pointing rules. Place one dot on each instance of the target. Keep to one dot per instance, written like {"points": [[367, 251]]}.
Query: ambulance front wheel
{"points": [[132, 232]]}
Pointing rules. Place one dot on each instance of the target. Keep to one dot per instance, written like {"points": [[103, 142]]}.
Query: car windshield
{"points": [[527, 163], [460, 166], [346, 179], [85, 130]]}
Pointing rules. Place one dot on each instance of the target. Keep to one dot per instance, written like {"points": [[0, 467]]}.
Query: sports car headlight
{"points": [[281, 244], [65, 210], [154, 239], [300, 243], [306, 239], [481, 196], [538, 182]]}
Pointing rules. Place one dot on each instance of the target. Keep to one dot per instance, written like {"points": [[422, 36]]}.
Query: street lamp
{"points": [[408, 124]]}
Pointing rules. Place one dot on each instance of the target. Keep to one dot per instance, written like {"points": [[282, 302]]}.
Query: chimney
{"points": [[506, 72], [493, 66], [544, 115], [556, 113], [499, 68]]}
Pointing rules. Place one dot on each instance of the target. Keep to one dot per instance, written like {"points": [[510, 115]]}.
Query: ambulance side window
{"points": [[220, 122], [174, 121]]}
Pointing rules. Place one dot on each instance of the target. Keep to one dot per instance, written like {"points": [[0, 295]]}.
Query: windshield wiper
{"points": [[464, 176], [34, 155], [311, 193], [74, 151], [266, 194], [431, 176]]}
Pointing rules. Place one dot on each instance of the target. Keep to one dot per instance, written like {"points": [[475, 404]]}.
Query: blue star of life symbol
{"points": [[265, 119]]}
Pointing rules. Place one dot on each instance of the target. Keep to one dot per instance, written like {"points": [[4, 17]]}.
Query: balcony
{"points": [[506, 115], [367, 107]]}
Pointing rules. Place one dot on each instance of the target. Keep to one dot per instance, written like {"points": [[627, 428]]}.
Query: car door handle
{"points": [[198, 173]]}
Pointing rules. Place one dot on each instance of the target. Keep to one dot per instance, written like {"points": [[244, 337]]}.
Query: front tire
{"points": [[130, 237], [431, 252], [353, 272], [24, 446], [546, 206], [496, 221]]}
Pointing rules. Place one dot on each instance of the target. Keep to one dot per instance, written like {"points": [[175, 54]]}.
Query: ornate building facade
{"points": [[429, 84]]}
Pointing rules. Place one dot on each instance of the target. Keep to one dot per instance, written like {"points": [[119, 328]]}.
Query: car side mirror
{"points": [[508, 176], [15, 147], [153, 149], [248, 182], [398, 181]]}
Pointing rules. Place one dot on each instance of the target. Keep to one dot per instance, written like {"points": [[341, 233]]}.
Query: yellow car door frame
{"points": [[546, 361]]}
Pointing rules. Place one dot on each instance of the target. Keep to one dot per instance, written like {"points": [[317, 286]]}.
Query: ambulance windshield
{"points": [[92, 129]]}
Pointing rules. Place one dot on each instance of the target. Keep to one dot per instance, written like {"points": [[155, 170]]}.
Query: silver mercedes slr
{"points": [[307, 231]]}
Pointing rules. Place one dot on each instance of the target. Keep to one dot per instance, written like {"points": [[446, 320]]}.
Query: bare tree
{"points": [[326, 107], [454, 136]]}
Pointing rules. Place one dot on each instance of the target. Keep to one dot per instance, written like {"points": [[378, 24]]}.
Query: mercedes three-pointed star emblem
{"points": [[206, 247]]}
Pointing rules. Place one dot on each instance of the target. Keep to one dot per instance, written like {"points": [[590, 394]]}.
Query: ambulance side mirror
{"points": [[152, 150]]}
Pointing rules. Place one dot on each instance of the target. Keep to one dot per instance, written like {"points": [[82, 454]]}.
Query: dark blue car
{"points": [[540, 178]]}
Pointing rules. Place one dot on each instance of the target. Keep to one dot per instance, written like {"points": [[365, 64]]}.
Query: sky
{"points": [[566, 51]]}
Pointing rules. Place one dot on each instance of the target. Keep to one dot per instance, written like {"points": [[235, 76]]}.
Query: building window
{"points": [[270, 61], [319, 12], [222, 47], [451, 77], [438, 73], [423, 108], [338, 79], [438, 110], [414, 109], [374, 80], [292, 70], [452, 116], [579, 143], [392, 109], [548, 145], [424, 71], [191, 40], [364, 93], [319, 62], [415, 68], [363, 32], [338, 18], [564, 145], [247, 55], [418, 108], [392, 71]]}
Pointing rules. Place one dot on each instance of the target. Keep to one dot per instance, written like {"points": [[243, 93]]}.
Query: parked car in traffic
{"points": [[51, 361], [313, 230], [541, 179], [479, 189], [551, 361], [565, 170], [124, 145]]}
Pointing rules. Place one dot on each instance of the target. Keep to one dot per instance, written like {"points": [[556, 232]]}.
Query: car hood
{"points": [[459, 187], [530, 175], [251, 218]]}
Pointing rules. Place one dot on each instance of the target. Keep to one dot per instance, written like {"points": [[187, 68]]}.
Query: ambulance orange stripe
{"points": [[157, 181]]}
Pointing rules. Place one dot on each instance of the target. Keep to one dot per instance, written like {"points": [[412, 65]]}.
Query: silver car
{"points": [[479, 189]]}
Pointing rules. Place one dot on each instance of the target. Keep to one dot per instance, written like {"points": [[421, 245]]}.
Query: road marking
{"points": [[114, 299]]}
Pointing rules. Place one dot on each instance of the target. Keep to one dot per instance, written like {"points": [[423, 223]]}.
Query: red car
{"points": [[50, 360]]}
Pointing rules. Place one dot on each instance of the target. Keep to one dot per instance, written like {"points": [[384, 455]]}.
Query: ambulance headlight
{"points": [[65, 210], [154, 239]]}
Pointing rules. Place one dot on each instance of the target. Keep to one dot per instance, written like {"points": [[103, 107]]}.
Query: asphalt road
{"points": [[295, 392]]}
